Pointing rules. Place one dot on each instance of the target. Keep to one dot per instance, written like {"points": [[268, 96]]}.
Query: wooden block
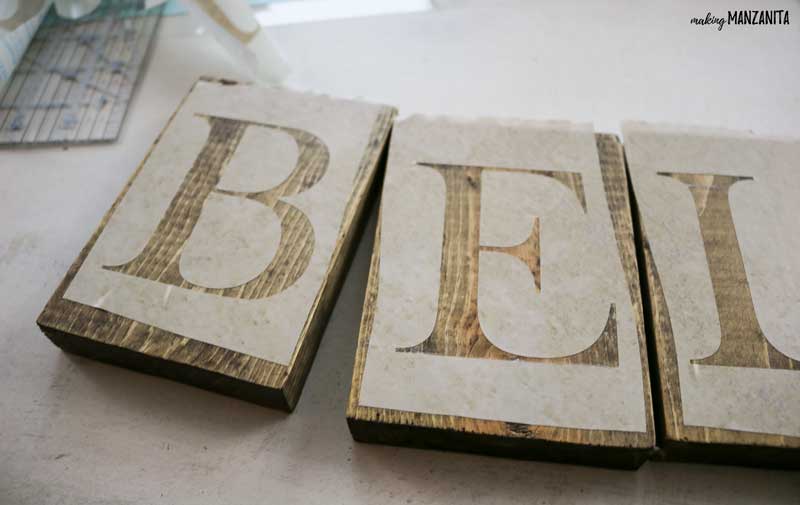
{"points": [[717, 215], [540, 355], [219, 263]]}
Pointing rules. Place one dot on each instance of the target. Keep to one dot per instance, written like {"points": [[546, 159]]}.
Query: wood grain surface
{"points": [[744, 344], [160, 259], [587, 446], [465, 337], [106, 336]]}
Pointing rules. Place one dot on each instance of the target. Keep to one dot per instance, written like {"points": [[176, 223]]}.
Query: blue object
{"points": [[174, 7]]}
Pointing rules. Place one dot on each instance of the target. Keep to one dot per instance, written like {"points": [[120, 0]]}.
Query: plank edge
{"points": [[174, 370], [525, 448]]}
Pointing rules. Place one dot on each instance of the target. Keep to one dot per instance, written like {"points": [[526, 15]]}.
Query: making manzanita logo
{"points": [[773, 17]]}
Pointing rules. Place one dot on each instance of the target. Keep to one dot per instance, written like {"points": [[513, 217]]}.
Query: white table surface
{"points": [[74, 431]]}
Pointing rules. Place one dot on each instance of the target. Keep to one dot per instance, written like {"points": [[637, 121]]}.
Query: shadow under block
{"points": [[717, 214], [542, 354], [220, 262]]}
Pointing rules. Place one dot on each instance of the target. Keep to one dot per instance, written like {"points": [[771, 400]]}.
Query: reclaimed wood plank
{"points": [[437, 364], [219, 263], [714, 212]]}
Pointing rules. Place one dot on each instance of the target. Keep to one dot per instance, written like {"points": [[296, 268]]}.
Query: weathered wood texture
{"points": [[745, 345], [584, 446], [109, 337]]}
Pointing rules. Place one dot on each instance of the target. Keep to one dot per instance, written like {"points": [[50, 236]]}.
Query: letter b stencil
{"points": [[160, 258]]}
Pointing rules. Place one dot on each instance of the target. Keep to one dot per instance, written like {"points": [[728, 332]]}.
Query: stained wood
{"points": [[457, 330], [684, 187], [103, 334]]}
